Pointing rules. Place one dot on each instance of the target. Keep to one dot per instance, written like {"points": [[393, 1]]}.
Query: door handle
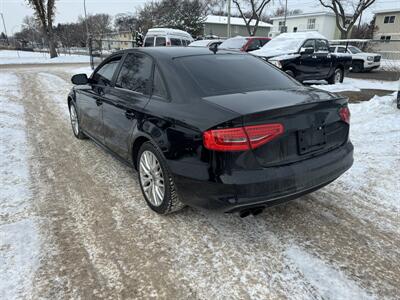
{"points": [[99, 102], [130, 115]]}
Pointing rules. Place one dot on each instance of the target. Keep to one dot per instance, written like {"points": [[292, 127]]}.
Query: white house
{"points": [[217, 25], [323, 22]]}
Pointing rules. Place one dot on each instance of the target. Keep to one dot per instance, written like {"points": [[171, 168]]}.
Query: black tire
{"points": [[76, 130], [357, 67], [338, 73], [170, 201]]}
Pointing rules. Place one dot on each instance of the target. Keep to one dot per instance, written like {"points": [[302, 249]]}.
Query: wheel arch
{"points": [[137, 143]]}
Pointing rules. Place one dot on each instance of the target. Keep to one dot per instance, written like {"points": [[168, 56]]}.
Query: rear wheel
{"points": [[337, 76], [76, 129], [156, 181]]}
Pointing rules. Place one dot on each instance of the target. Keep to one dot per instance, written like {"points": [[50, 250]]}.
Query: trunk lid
{"points": [[311, 120]]}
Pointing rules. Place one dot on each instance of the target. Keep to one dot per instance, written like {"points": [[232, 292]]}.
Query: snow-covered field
{"points": [[11, 57], [353, 84], [73, 223]]}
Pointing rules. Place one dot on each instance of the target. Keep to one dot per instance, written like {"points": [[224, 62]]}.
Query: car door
{"points": [[307, 62], [90, 99], [323, 57], [126, 101]]}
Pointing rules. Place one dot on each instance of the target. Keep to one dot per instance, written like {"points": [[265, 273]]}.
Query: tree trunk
{"points": [[343, 35], [52, 45]]}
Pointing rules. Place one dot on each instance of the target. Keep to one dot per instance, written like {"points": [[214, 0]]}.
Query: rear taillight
{"points": [[344, 113], [241, 138]]}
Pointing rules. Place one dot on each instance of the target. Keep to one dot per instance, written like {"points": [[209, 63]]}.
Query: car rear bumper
{"points": [[266, 187]]}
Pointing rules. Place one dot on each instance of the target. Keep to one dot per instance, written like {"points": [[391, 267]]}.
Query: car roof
{"points": [[301, 35], [174, 52]]}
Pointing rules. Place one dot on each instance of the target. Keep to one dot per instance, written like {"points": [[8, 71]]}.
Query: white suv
{"points": [[362, 61], [167, 37]]}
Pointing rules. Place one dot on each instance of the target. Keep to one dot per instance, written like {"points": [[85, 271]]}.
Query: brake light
{"points": [[241, 138], [344, 113]]}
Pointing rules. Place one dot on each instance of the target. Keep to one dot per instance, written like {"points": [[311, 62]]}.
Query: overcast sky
{"points": [[69, 10]]}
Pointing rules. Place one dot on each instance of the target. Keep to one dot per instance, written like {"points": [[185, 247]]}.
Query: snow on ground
{"points": [[19, 237], [330, 283], [353, 84], [375, 133], [8, 57], [84, 70], [389, 65]]}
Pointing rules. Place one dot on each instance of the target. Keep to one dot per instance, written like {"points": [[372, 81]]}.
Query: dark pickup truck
{"points": [[305, 56]]}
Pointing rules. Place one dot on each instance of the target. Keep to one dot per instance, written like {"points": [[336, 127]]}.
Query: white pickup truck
{"points": [[362, 61]]}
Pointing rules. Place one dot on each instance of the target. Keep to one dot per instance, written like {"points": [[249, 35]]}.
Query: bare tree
{"points": [[254, 14], [347, 12], [44, 11]]}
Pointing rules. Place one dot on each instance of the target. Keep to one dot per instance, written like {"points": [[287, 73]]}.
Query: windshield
{"points": [[232, 73], [283, 45], [235, 43], [354, 50]]}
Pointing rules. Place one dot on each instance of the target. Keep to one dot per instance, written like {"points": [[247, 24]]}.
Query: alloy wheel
{"points": [[338, 75], [74, 119], [151, 178]]}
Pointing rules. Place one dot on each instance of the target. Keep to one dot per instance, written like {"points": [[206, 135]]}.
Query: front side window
{"points": [[341, 50], [321, 46], [354, 50], [175, 42], [135, 73], [309, 44], [160, 41], [106, 72], [311, 23], [149, 42]]}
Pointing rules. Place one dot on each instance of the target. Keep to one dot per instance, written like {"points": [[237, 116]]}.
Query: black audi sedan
{"points": [[224, 130]]}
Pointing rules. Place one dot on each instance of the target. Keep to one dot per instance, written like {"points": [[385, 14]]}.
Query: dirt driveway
{"points": [[99, 240]]}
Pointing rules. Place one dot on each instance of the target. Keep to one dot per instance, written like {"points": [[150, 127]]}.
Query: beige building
{"points": [[117, 40], [217, 26], [387, 30]]}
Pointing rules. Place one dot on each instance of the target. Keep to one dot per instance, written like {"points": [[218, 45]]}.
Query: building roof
{"points": [[211, 19], [310, 14], [384, 11]]}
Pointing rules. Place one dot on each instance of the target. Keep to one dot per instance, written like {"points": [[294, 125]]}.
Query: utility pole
{"points": [[86, 20], [284, 27], [5, 29], [229, 19]]}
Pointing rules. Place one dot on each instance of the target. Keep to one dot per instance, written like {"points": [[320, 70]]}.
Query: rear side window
{"points": [[149, 42], [341, 50], [135, 73], [159, 88], [160, 41], [175, 42], [105, 74], [232, 73]]}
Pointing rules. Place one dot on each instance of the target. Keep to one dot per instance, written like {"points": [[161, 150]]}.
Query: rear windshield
{"points": [[232, 73], [235, 43]]}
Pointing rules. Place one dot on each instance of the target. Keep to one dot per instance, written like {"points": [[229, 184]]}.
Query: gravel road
{"points": [[98, 239]]}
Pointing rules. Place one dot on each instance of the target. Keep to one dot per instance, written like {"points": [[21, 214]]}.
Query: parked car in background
{"points": [[206, 43], [246, 44], [305, 56], [201, 135], [168, 37], [362, 61]]}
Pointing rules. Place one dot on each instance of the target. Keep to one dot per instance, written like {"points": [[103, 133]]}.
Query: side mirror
{"points": [[80, 79], [306, 50], [214, 47]]}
